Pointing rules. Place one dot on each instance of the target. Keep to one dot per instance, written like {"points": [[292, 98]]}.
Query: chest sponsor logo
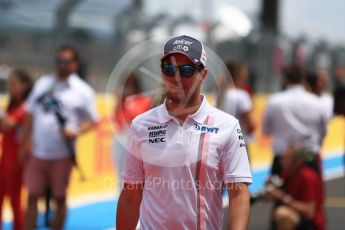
{"points": [[157, 134], [157, 127], [157, 140], [205, 128]]}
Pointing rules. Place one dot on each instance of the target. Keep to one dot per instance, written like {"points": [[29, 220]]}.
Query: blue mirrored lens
{"points": [[186, 71], [169, 69]]}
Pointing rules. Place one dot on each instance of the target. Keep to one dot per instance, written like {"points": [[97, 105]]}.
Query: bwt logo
{"points": [[205, 129]]}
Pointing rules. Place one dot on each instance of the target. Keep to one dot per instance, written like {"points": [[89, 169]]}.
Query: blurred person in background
{"points": [[129, 104], [339, 89], [234, 100], [299, 203], [11, 168], [317, 83], [295, 116], [59, 109], [239, 72], [339, 75]]}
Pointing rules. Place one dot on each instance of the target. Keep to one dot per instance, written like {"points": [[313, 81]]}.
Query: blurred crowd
{"points": [[39, 127], [42, 120], [296, 118]]}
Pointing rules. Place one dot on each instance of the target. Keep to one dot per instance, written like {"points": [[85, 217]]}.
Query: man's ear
{"points": [[204, 74]]}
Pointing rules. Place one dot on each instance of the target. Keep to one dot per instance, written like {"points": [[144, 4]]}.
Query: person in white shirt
{"points": [[236, 101], [60, 108], [317, 84], [182, 152], [295, 117]]}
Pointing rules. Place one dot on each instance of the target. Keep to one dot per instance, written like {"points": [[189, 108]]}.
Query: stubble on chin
{"points": [[179, 105]]}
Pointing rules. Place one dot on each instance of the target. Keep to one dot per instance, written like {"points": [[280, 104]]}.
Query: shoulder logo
{"points": [[240, 138]]}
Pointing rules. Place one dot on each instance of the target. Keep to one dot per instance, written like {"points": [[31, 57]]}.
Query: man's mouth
{"points": [[175, 89]]}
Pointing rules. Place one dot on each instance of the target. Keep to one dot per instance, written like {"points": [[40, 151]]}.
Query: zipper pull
{"points": [[180, 137]]}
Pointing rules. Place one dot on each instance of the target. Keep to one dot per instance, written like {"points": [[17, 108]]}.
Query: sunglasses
{"points": [[186, 71]]}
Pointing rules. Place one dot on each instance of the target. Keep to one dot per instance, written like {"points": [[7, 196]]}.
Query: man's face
{"points": [[322, 77], [66, 63], [340, 72], [179, 88], [242, 78], [15, 87]]}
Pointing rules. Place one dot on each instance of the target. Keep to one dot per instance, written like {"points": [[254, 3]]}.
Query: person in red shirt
{"points": [[129, 104], [300, 201], [11, 168]]}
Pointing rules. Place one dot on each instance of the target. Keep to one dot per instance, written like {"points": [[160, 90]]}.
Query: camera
{"points": [[272, 182]]}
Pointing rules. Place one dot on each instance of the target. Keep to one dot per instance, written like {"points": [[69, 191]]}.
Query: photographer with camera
{"points": [[59, 109], [299, 201]]}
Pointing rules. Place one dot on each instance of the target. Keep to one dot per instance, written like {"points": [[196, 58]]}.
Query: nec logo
{"points": [[157, 140], [205, 129]]}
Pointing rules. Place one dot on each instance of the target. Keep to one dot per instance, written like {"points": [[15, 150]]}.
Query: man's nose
{"points": [[177, 75]]}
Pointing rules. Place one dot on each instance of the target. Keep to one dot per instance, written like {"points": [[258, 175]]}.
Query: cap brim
{"points": [[180, 52]]}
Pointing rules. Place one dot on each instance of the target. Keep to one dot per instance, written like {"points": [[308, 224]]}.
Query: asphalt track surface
{"points": [[100, 214], [260, 211], [334, 207]]}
